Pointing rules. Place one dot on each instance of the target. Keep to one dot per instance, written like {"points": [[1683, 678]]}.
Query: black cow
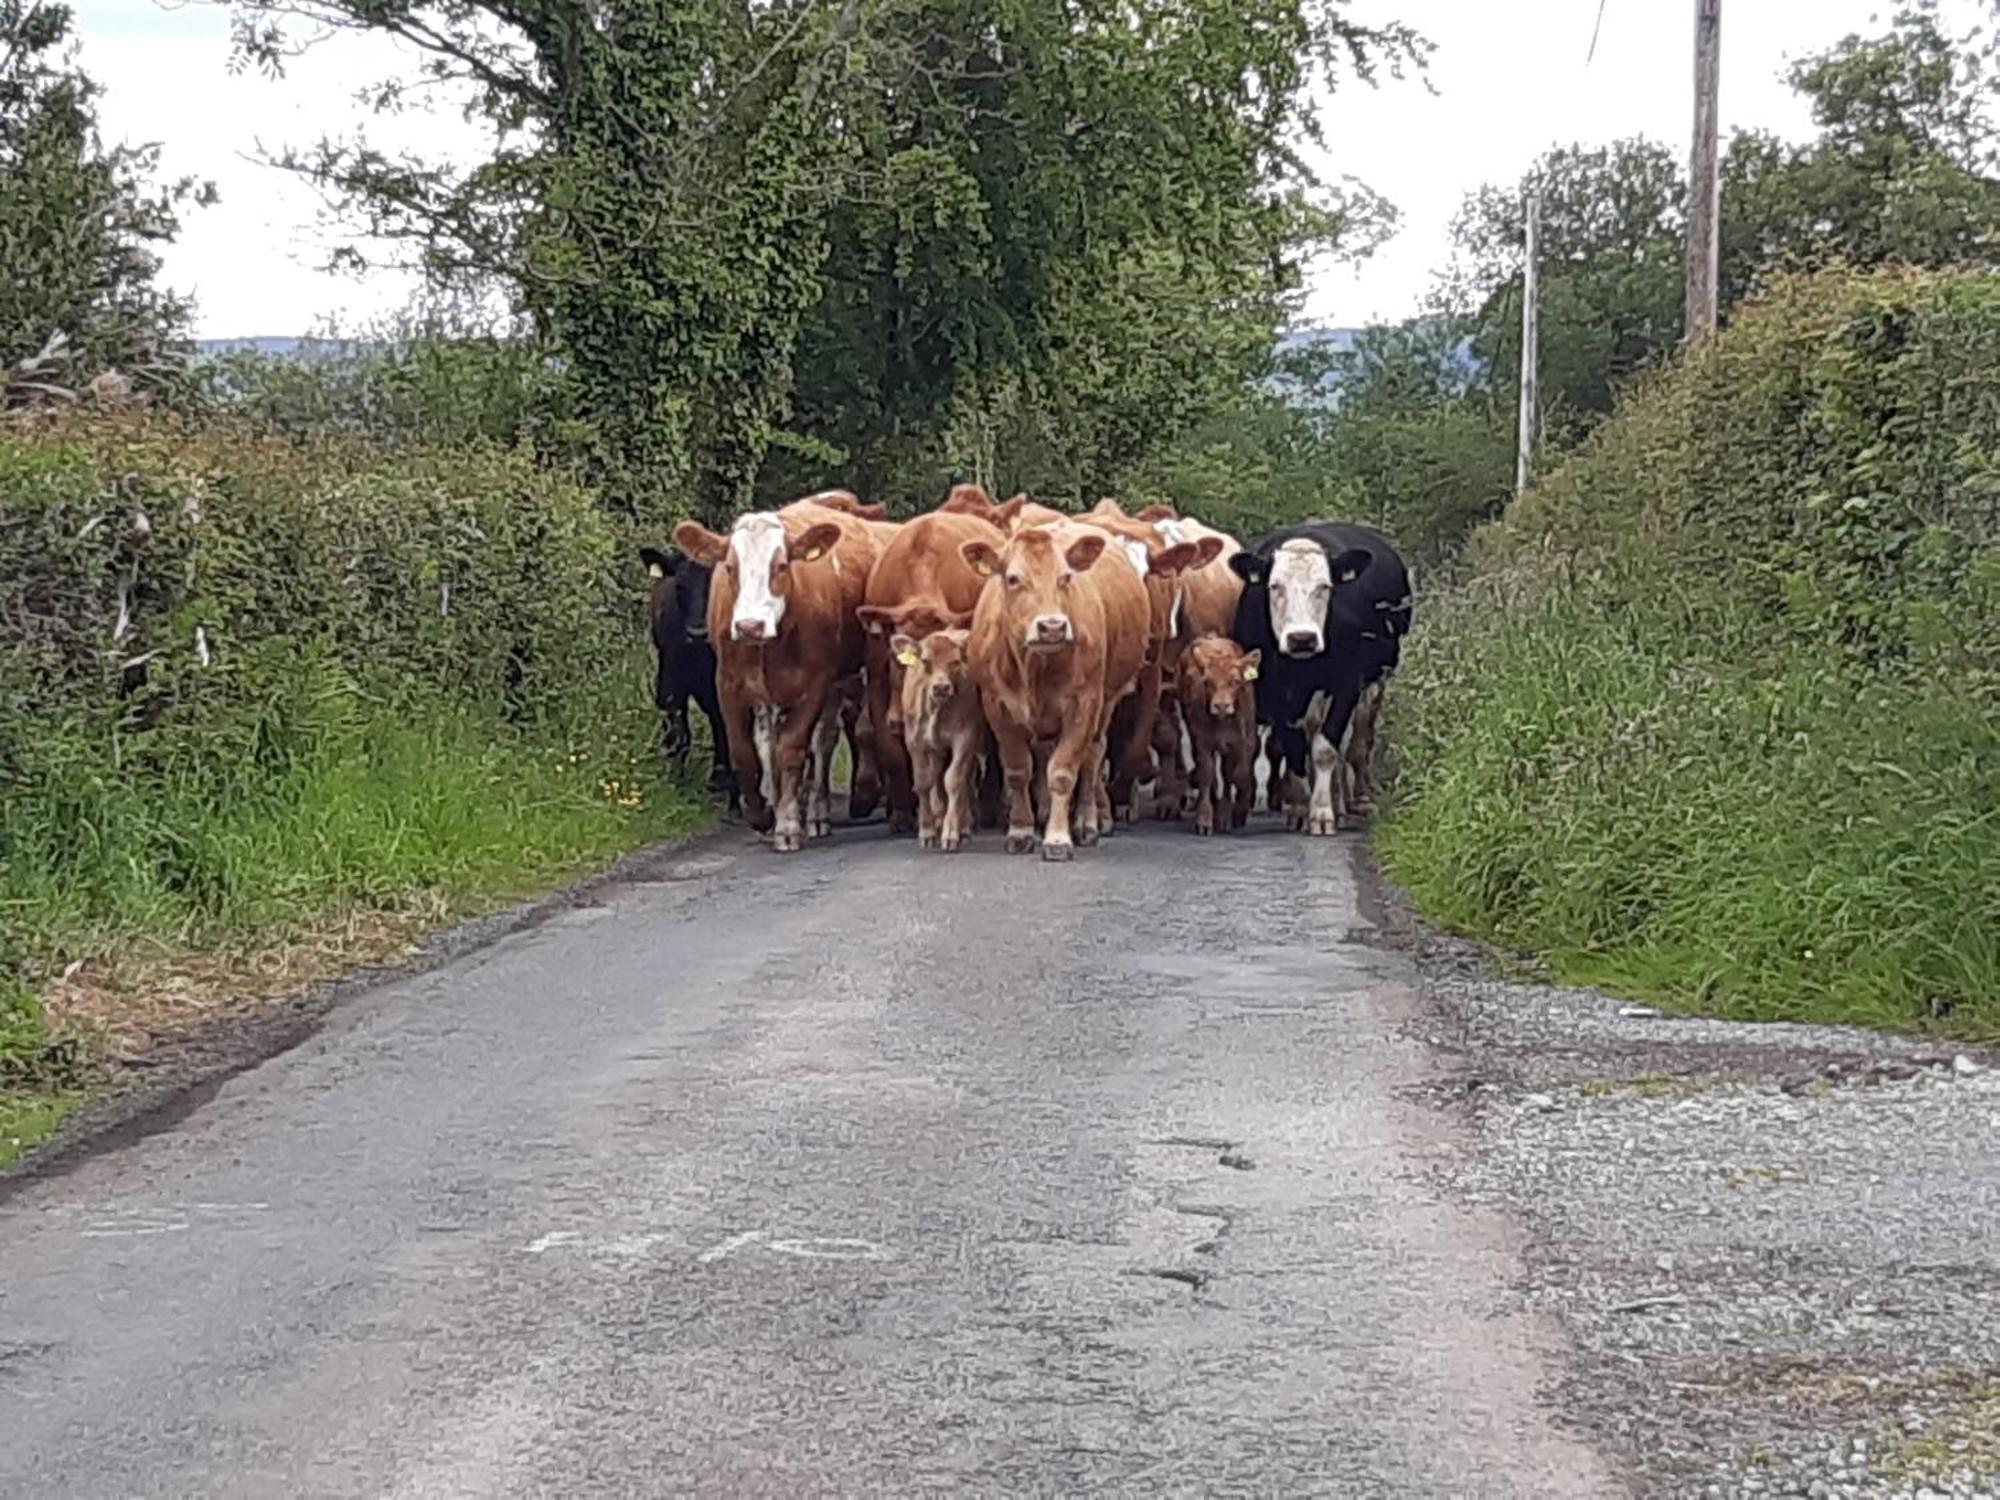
{"points": [[686, 661], [1328, 605]]}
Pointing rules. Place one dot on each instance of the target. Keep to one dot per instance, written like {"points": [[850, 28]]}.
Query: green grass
{"points": [[437, 814], [1667, 812]]}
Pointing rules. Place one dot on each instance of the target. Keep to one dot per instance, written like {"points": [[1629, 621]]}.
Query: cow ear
{"points": [[875, 618], [967, 500], [1351, 564], [1175, 559], [982, 557], [904, 648], [659, 564], [815, 542], [1250, 661], [1207, 550], [1084, 551], [1154, 513], [1008, 515], [1249, 567], [701, 544]]}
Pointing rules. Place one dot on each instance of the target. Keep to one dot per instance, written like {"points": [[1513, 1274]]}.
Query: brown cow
{"points": [[1209, 593], [1220, 705], [781, 614], [1057, 639], [944, 729], [1160, 565], [921, 582]]}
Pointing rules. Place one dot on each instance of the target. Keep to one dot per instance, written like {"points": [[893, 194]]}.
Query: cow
{"points": [[684, 665], [788, 646], [921, 582], [1208, 607], [1327, 604], [1057, 638], [944, 728], [1160, 564], [1219, 701]]}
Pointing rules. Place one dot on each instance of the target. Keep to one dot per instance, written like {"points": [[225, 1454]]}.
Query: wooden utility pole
{"points": [[1524, 458], [1704, 227]]}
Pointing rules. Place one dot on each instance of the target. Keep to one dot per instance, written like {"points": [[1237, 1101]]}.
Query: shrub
{"points": [[1714, 716], [244, 680]]}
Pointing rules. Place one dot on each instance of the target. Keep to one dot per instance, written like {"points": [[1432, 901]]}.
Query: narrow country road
{"points": [[855, 1173]]}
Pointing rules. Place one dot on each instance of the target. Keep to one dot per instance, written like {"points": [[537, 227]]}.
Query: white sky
{"points": [[1509, 77]]}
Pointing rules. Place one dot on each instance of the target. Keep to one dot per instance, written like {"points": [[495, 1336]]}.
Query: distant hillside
{"points": [[305, 349]]}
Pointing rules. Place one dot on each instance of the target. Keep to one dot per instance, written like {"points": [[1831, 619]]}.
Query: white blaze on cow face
{"points": [[757, 549], [1301, 587]]}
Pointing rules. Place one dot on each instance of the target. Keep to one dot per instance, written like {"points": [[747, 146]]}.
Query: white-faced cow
{"points": [[781, 615], [1327, 604]]}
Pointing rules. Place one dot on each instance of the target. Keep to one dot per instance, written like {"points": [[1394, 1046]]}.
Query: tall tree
{"points": [[79, 224], [1010, 197]]}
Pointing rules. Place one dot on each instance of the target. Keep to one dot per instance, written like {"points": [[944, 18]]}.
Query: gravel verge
{"points": [[1775, 1248]]}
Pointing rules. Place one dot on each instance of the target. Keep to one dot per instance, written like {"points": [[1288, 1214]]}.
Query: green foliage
{"points": [[895, 242], [78, 224], [247, 680], [1711, 718]]}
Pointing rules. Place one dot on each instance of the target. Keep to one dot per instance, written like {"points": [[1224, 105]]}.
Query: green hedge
{"points": [[243, 681], [1714, 716]]}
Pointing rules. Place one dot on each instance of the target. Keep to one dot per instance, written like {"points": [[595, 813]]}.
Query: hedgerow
{"points": [[1713, 717], [245, 681]]}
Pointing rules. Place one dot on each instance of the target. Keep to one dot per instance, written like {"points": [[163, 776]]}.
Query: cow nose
{"points": [[749, 630], [941, 692], [1301, 642], [1223, 708], [1052, 630]]}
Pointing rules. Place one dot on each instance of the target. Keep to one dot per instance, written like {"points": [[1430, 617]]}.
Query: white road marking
{"points": [[733, 1243], [552, 1239], [831, 1249]]}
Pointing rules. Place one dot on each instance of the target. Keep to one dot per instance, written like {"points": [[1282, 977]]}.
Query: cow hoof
{"points": [[1020, 843], [787, 843], [762, 822], [1202, 829], [1086, 838], [1058, 854], [928, 841], [951, 843], [819, 828], [1322, 825]]}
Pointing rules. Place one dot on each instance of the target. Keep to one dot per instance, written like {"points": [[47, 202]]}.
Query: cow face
{"points": [[758, 558], [1216, 673], [938, 667], [1299, 581], [1034, 575]]}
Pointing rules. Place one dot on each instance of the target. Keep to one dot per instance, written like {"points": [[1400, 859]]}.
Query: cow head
{"points": [[1299, 580], [1215, 674], [1034, 573], [757, 557], [680, 595], [937, 667]]}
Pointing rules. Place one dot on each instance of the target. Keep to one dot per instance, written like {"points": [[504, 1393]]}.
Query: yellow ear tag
{"points": [[907, 658], [813, 556], [1249, 674], [656, 570]]}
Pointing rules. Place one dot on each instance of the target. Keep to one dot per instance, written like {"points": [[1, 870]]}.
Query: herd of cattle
{"points": [[1010, 653]]}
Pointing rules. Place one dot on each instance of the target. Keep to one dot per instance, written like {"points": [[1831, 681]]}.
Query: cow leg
{"points": [[1092, 802], [1329, 753], [926, 769], [798, 735], [675, 737], [1171, 785], [1288, 760], [720, 777], [857, 722], [1071, 757], [1017, 757], [1240, 777], [958, 795], [748, 744], [1204, 781], [892, 755], [825, 744], [1361, 750]]}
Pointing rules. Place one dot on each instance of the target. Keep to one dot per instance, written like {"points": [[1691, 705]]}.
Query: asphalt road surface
{"points": [[857, 1172]]}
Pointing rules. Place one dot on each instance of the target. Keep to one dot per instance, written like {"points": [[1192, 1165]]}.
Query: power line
{"points": [[1594, 31]]}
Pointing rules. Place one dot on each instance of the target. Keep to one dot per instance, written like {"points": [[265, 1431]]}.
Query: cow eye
{"points": [[1015, 581]]}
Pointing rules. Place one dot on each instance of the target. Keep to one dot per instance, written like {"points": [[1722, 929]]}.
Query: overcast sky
{"points": [[1510, 80]]}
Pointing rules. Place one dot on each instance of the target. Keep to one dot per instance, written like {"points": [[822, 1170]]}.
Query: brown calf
{"points": [[944, 732], [1209, 592], [1057, 639], [781, 615], [1220, 704], [921, 582]]}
